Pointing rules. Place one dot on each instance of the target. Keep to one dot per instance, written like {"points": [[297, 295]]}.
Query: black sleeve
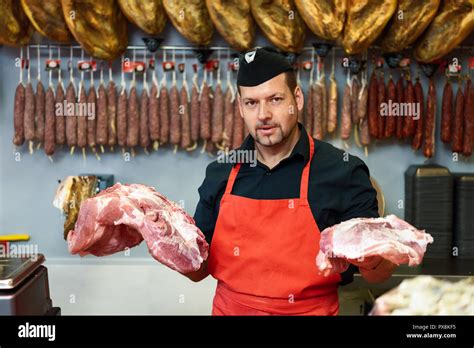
{"points": [[210, 193], [360, 197], [360, 200]]}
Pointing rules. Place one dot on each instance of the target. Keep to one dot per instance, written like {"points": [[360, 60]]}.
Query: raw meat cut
{"points": [[426, 295], [123, 215], [388, 237]]}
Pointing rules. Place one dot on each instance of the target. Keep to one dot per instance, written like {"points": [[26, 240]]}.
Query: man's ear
{"points": [[299, 98]]}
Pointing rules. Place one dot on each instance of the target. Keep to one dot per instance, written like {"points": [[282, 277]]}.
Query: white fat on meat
{"points": [[389, 237]]}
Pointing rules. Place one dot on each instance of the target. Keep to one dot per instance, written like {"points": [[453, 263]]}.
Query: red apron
{"points": [[263, 254]]}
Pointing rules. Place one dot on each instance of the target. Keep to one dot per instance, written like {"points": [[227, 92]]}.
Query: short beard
{"points": [[260, 140]]}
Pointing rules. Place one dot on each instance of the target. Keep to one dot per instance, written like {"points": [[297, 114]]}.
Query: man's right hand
{"points": [[200, 274]]}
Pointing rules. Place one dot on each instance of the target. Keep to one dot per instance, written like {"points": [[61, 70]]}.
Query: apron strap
{"points": [[305, 176], [231, 179]]}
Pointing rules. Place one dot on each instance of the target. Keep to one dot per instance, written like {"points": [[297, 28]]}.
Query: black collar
{"points": [[301, 148]]}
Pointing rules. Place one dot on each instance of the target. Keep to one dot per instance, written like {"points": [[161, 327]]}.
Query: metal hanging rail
{"points": [[214, 48]]}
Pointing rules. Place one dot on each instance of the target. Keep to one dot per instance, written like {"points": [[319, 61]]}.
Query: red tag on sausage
{"points": [[129, 66], [25, 63], [307, 65], [151, 64], [53, 64], [234, 65], [181, 67], [87, 65], [212, 64], [167, 66]]}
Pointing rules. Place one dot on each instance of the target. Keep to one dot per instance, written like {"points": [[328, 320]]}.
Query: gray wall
{"points": [[27, 186]]}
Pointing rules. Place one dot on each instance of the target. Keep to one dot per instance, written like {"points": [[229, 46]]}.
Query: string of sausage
{"points": [[175, 121], [154, 111], [186, 141], [447, 113], [122, 106], [111, 111], [195, 110], [420, 123], [19, 109], [71, 120], [317, 106], [82, 119], [400, 99], [204, 111], [468, 119], [29, 117], [228, 114], [60, 119], [373, 106], [91, 121], [458, 125], [144, 113], [332, 99], [133, 119], [381, 99], [50, 118], [362, 113], [408, 120], [238, 132], [355, 88], [430, 128], [164, 112], [102, 124], [324, 108], [209, 144], [40, 106], [391, 122], [346, 120], [217, 114]]}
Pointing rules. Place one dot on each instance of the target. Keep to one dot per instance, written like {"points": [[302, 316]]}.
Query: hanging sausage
{"points": [[144, 102], [82, 118], [50, 117], [39, 106], [186, 141], [175, 116], [154, 109], [19, 108], [29, 117]]}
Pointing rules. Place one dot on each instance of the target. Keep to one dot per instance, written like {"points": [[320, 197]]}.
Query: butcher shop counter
{"points": [[357, 297]]}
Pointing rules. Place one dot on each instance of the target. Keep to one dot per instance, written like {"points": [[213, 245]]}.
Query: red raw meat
{"points": [[390, 237], [123, 215]]}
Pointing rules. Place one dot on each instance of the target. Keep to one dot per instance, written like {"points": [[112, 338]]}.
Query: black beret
{"points": [[260, 65]]}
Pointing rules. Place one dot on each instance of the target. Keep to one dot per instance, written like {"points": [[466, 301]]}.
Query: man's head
{"points": [[269, 98]]}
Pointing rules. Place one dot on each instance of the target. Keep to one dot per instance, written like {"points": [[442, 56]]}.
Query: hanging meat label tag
{"points": [[52, 64], [87, 65]]}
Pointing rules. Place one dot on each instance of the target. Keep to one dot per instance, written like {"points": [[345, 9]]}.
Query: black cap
{"points": [[260, 65]]}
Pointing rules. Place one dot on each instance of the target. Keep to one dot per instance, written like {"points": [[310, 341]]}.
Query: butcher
{"points": [[263, 222]]}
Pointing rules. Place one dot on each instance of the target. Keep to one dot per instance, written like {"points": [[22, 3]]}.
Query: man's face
{"points": [[270, 110]]}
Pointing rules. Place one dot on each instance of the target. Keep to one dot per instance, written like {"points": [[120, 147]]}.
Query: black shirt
{"points": [[339, 186]]}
